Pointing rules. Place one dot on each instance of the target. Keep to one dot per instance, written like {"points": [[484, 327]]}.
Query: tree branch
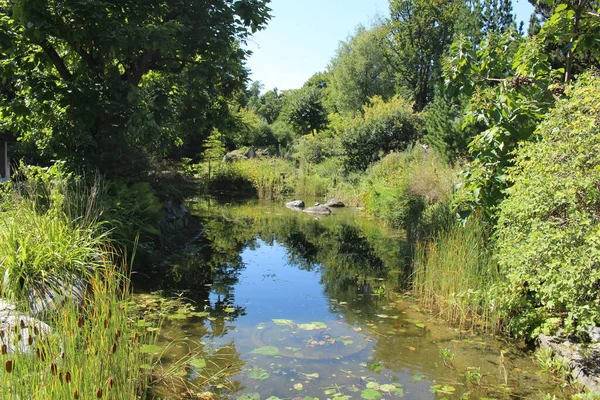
{"points": [[58, 62]]}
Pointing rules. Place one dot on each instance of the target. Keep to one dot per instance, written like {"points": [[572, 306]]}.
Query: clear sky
{"points": [[303, 35]]}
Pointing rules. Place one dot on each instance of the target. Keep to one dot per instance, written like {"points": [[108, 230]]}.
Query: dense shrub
{"points": [[384, 127], [548, 236], [401, 185]]}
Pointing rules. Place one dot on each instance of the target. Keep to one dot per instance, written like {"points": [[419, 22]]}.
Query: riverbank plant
{"points": [[454, 273], [93, 351], [50, 233]]}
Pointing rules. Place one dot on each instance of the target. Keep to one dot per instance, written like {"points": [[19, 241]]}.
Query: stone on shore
{"points": [[318, 209], [295, 204]]}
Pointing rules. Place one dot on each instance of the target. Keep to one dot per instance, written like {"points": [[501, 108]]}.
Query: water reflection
{"points": [[301, 307]]}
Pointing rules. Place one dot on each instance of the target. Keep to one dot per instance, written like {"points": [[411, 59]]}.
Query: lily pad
{"points": [[150, 349], [229, 310], [198, 363], [266, 351], [283, 322], [258, 374], [313, 326], [373, 385], [249, 396], [387, 388], [420, 325], [370, 394], [298, 386]]}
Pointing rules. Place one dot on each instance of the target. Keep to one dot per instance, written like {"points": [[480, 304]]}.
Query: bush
{"points": [[401, 185], [384, 127], [548, 233]]}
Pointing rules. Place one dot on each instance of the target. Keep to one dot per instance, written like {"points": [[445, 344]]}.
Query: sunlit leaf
{"points": [[370, 394], [283, 322], [258, 374], [313, 326], [150, 349], [266, 351]]}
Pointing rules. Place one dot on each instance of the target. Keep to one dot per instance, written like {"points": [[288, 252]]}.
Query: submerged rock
{"points": [[335, 202], [583, 360], [295, 204], [318, 209], [176, 217]]}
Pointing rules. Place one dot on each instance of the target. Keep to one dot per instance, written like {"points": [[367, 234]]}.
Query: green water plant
{"points": [[454, 274]]}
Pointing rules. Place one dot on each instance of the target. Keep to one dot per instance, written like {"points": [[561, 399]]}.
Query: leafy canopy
{"points": [[91, 82]]}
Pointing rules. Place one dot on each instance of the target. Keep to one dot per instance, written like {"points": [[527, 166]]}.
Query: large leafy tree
{"points": [[96, 82], [360, 70], [304, 111], [420, 32]]}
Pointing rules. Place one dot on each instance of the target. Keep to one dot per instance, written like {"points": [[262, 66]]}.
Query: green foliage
{"points": [[360, 70], [420, 32], [384, 127], [106, 84], [454, 273], [46, 233], [315, 149], [304, 111], [398, 188], [547, 234], [93, 349], [510, 82], [444, 130]]}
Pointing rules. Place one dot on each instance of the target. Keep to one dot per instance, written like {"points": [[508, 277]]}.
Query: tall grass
{"points": [[94, 352], [454, 274], [49, 233]]}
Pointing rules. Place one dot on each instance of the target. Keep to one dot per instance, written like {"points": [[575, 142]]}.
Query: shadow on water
{"points": [[293, 307]]}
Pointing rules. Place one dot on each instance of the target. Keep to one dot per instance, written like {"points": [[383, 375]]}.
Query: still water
{"points": [[287, 306]]}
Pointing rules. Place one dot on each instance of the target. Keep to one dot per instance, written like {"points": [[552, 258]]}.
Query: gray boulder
{"points": [[295, 204], [19, 331], [335, 202], [45, 296], [318, 209]]}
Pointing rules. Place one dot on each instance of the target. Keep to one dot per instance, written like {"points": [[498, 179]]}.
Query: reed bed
{"points": [[454, 275]]}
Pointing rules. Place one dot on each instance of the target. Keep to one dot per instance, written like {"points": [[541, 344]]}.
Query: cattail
{"points": [[9, 365], [68, 377], [19, 337], [36, 330], [118, 334], [53, 369], [76, 394], [105, 323], [4, 349], [22, 323], [62, 355], [110, 382], [113, 348], [30, 340], [41, 353], [60, 375], [99, 393], [80, 322], [2, 334]]}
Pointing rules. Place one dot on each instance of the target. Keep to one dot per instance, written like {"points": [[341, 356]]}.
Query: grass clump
{"points": [[453, 275], [92, 352], [88, 347]]}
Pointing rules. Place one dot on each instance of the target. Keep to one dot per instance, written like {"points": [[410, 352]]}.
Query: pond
{"points": [[287, 306]]}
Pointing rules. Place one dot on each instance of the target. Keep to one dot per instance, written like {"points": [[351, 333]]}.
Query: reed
{"points": [[453, 276]]}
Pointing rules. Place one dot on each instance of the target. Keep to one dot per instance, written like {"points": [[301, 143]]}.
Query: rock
{"points": [[335, 202], [295, 204], [318, 209], [176, 217], [583, 360], [46, 295], [22, 332], [594, 334]]}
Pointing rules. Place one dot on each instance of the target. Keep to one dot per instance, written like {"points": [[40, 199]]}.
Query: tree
{"points": [[95, 81], [304, 111], [382, 128], [497, 16], [360, 70], [547, 234], [420, 33]]}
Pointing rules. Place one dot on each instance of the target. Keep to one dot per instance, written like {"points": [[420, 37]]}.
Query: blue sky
{"points": [[303, 35]]}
